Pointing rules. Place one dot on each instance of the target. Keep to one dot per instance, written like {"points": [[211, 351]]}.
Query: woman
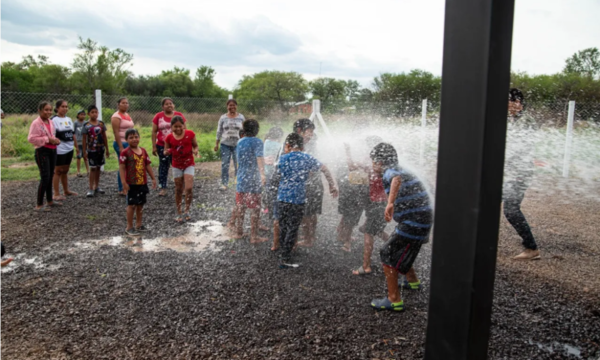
{"points": [[42, 136], [161, 128], [228, 134], [65, 132], [121, 122]]}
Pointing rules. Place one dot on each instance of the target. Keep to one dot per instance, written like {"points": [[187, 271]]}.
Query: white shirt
{"points": [[64, 132]]}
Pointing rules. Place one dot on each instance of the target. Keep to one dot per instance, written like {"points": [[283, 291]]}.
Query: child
{"points": [[181, 144], [250, 178], [78, 127], [271, 149], [133, 165], [95, 144], [409, 205], [294, 168]]}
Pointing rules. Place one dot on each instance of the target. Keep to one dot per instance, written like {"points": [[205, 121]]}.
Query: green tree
{"points": [[585, 62], [328, 89], [412, 87], [204, 84], [176, 82], [284, 87]]}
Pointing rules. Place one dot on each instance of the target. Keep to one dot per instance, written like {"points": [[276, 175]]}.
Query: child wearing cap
{"points": [[78, 127]]}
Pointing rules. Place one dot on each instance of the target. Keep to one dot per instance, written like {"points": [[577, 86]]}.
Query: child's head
{"points": [[515, 102], [132, 136], [45, 110], [275, 133], [304, 127], [250, 127], [92, 112], [177, 125], [61, 107], [81, 115], [293, 142], [384, 156], [168, 105]]}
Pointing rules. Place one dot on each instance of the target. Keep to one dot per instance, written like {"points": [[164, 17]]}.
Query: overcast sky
{"points": [[349, 40]]}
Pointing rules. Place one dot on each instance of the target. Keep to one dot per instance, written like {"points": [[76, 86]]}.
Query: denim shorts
{"points": [[177, 173]]}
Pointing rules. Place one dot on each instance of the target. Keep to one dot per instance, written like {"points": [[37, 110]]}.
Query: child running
{"points": [[134, 163], [95, 144], [294, 168], [409, 205], [181, 144], [78, 126], [250, 178]]}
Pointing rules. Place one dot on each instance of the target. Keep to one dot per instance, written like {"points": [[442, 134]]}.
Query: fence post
{"points": [[423, 128], [99, 103], [569, 139]]}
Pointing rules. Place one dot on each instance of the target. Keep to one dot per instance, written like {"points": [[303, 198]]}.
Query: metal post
{"points": [[423, 128], [476, 60], [569, 140], [99, 103], [230, 96]]}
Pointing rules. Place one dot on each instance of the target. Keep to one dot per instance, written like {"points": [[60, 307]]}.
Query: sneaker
{"points": [[99, 191], [132, 232], [142, 229], [386, 304], [90, 193], [528, 254]]}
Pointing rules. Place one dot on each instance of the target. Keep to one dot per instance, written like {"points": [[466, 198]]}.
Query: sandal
{"points": [[386, 304], [162, 192], [411, 286], [55, 204], [346, 249], [187, 217], [361, 271], [43, 208], [59, 198], [71, 193], [179, 219]]}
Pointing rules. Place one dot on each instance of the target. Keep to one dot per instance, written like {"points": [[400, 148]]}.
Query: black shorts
{"points": [[375, 223], [137, 194], [64, 159], [95, 158], [400, 252], [314, 196], [353, 200]]}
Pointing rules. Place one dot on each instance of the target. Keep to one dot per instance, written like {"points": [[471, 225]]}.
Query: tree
{"points": [[284, 87], [204, 84], [585, 62], [328, 89], [176, 82]]}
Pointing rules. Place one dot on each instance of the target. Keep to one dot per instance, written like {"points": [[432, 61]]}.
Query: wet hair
{"points": [[274, 133], [81, 111], [121, 99], [59, 103], [303, 125], [92, 107], [130, 132], [242, 133], [231, 100], [373, 140], [385, 154], [295, 141], [176, 119], [164, 100], [43, 104], [251, 127], [515, 94]]}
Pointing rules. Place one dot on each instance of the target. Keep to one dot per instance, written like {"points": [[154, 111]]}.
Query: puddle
{"points": [[554, 346], [21, 259], [202, 235]]}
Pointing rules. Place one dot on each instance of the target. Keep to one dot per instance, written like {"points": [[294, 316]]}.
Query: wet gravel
{"points": [[110, 303]]}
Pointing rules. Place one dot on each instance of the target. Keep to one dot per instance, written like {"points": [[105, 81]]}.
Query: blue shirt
{"points": [[294, 169], [248, 175]]}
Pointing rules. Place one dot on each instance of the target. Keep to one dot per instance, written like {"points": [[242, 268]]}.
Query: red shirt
{"points": [[49, 129], [163, 122], [181, 150], [135, 166], [376, 190]]}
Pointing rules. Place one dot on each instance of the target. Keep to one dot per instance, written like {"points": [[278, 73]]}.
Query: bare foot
{"points": [[346, 248], [236, 235], [364, 271], [71, 193], [274, 248], [162, 192], [304, 244], [6, 262], [263, 228], [59, 198], [258, 240]]}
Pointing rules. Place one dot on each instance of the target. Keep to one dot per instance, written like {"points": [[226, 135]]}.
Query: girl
{"points": [[228, 135], [181, 144], [65, 132], [161, 127], [42, 136], [121, 122]]}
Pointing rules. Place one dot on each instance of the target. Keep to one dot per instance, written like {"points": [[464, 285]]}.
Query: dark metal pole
{"points": [[475, 82]]}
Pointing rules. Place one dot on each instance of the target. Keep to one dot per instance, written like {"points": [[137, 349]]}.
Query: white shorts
{"points": [[177, 173]]}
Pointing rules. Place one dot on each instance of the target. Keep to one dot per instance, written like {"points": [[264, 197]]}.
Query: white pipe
{"points": [[230, 96], [569, 139], [423, 128], [99, 103]]}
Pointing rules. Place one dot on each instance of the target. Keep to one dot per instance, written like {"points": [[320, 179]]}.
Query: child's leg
{"points": [[345, 233], [310, 226], [411, 275], [241, 213], [78, 165], [391, 277], [367, 252], [254, 226], [139, 209], [178, 193], [96, 178], [87, 167], [275, 235], [231, 225], [189, 187], [289, 221], [130, 211], [92, 178], [55, 182]]}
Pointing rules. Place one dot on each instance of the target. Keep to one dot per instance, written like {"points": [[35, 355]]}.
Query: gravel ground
{"points": [[107, 302]]}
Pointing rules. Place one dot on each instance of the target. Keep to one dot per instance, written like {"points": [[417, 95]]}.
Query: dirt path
{"points": [[63, 300]]}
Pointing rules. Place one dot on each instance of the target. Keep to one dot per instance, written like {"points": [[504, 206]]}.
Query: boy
{"points": [[294, 168], [250, 178], [94, 145], [78, 127], [409, 205], [133, 165]]}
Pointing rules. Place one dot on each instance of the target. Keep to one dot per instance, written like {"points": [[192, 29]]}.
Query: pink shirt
{"points": [[163, 122], [126, 124], [40, 134]]}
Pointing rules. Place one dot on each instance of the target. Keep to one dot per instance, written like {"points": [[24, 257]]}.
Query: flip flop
{"points": [[43, 208], [179, 219], [361, 271], [187, 217], [59, 198], [55, 204], [344, 248]]}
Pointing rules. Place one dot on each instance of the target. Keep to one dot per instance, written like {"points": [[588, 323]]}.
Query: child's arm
{"points": [[123, 174], [351, 164], [105, 140], [167, 150], [84, 146], [75, 144], [195, 147], [261, 168], [151, 172], [116, 126], [394, 188], [332, 189]]}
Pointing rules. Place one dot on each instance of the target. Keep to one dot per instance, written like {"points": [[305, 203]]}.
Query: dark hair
{"points": [[43, 104], [121, 99], [91, 107], [164, 100], [176, 119], [385, 154], [516, 94], [295, 141], [303, 125], [130, 132], [59, 103], [274, 133], [250, 127], [231, 100], [242, 133]]}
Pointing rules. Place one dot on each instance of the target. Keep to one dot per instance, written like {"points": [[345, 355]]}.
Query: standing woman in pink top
{"points": [[121, 122], [161, 128], [43, 137]]}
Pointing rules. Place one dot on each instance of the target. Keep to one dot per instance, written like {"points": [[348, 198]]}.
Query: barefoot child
{"points": [[294, 168], [409, 205], [182, 146], [79, 137], [134, 163], [272, 150], [250, 179], [95, 144]]}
